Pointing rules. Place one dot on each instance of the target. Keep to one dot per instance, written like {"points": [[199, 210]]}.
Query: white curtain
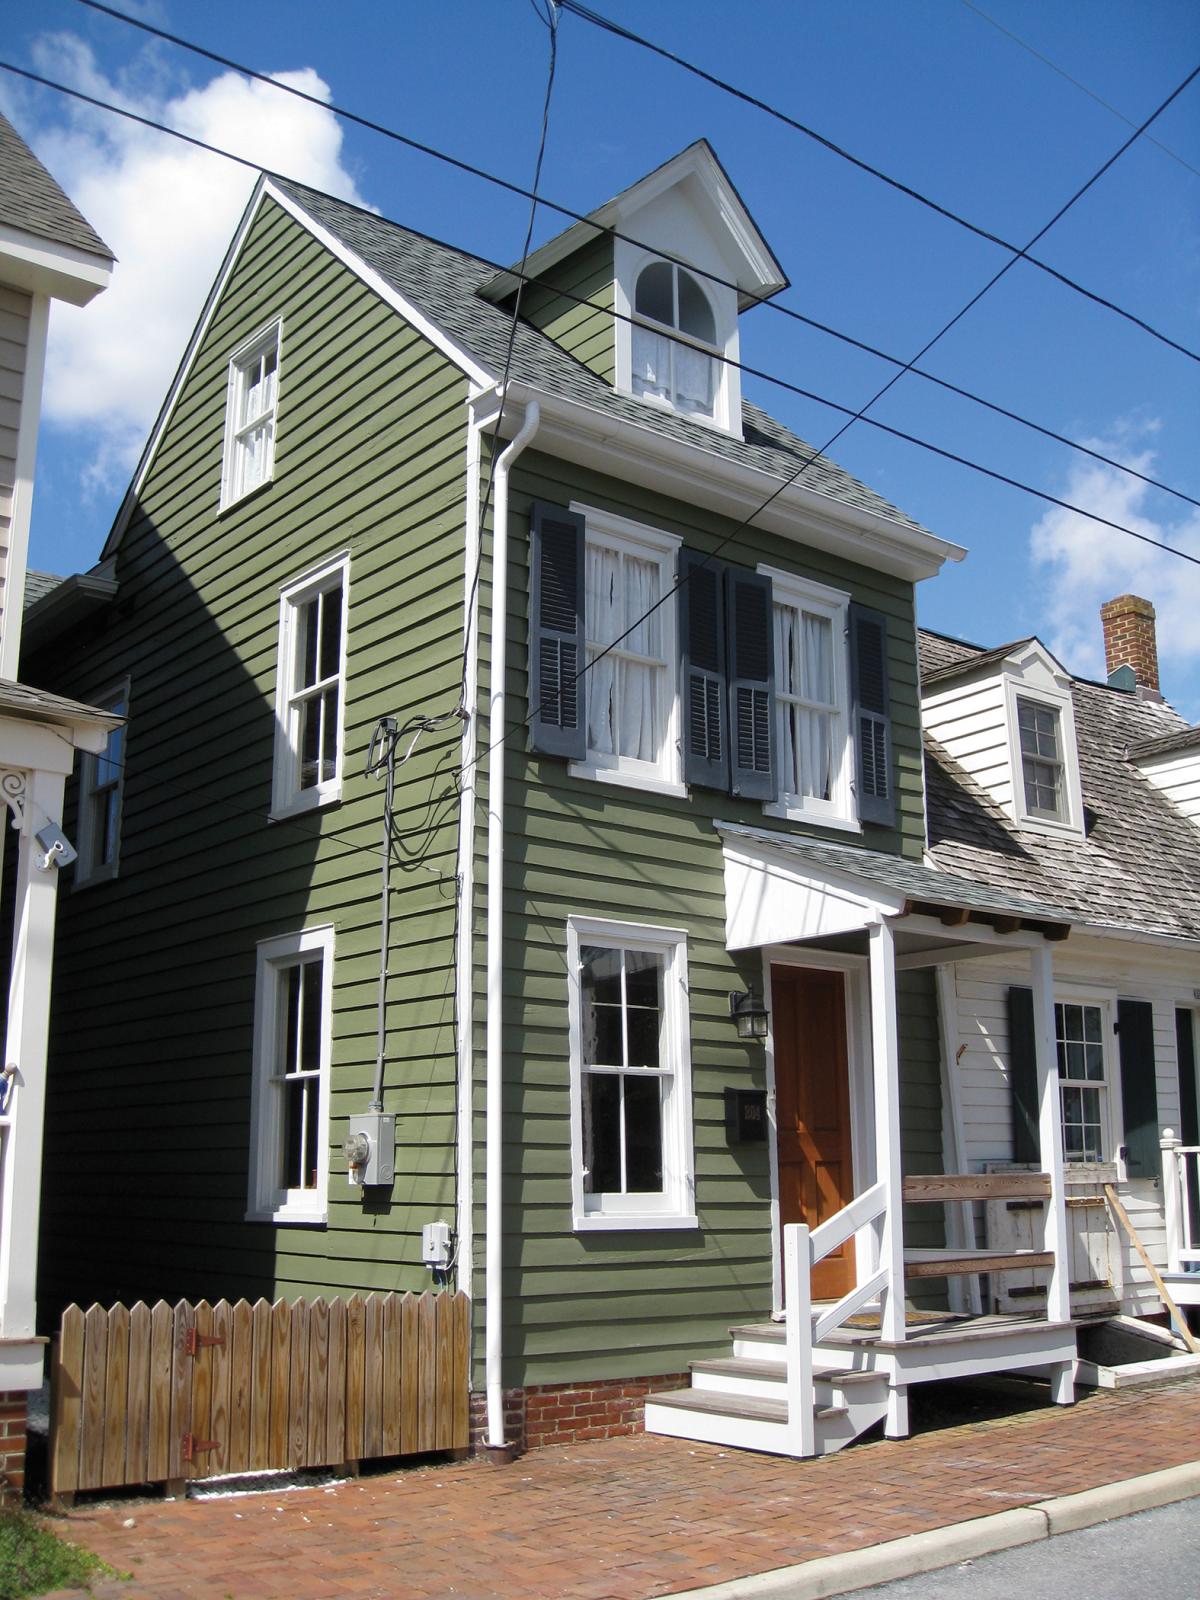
{"points": [[651, 363], [815, 748], [622, 695], [693, 380]]}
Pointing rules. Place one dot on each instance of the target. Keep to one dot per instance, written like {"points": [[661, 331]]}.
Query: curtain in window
{"points": [[693, 380], [651, 363], [816, 751], [622, 693]]}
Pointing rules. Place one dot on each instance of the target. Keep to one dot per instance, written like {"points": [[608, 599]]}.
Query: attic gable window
{"points": [[250, 408], [1041, 759], [682, 375]]}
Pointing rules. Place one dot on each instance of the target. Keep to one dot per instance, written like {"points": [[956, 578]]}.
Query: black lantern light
{"points": [[750, 1014]]}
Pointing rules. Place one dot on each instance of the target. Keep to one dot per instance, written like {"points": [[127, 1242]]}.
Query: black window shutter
{"points": [[1139, 1092], [1189, 1111], [702, 652], [1022, 1076], [557, 711], [749, 621], [871, 711]]}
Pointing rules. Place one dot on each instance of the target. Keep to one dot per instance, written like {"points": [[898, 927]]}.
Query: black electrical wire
{"points": [[566, 211], [586, 14], [834, 405]]}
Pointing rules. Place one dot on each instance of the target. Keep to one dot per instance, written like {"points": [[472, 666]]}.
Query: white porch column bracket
{"points": [[13, 786], [885, 1057], [1172, 1168], [1058, 1297]]}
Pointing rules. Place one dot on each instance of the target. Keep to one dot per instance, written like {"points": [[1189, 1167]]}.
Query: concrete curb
{"points": [[960, 1541]]}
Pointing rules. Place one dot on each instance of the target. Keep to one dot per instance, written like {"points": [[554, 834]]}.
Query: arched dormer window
{"points": [[683, 375]]}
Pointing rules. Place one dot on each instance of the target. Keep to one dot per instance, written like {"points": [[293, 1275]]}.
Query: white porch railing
{"points": [[1181, 1193], [803, 1248]]}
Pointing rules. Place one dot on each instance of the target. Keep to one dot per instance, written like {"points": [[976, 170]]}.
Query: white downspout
{"points": [[494, 1327]]}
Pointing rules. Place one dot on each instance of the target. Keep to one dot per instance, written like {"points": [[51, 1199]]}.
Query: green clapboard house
{"points": [[638, 998]]}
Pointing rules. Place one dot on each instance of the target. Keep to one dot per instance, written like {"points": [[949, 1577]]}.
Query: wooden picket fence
{"points": [[149, 1394]]}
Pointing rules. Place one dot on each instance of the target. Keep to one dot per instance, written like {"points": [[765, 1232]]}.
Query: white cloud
{"points": [[167, 211], [1078, 564]]}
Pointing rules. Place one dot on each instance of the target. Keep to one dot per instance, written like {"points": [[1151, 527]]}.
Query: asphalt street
{"points": [[1155, 1552]]}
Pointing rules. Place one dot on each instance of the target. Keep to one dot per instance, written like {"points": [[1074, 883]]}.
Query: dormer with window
{"points": [[647, 290], [1006, 717]]}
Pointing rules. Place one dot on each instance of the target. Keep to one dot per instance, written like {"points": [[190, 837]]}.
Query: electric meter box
{"points": [[379, 1129]]}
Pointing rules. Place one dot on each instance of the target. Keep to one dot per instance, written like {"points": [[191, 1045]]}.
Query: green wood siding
{"points": [[148, 1112], [586, 331], [645, 1301]]}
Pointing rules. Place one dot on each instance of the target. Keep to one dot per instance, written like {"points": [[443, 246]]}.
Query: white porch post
{"points": [[885, 1057], [1058, 1293], [1172, 1170], [25, 1049]]}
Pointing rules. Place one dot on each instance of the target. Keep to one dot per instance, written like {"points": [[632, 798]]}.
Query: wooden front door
{"points": [[812, 1110]]}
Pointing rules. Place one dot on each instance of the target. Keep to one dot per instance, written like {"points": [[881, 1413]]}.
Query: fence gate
{"points": [[149, 1394]]}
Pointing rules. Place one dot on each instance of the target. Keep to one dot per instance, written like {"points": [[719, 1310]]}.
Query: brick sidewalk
{"points": [[624, 1519]]}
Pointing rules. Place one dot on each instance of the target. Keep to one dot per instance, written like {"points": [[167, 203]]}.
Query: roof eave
{"points": [[692, 474], [45, 266]]}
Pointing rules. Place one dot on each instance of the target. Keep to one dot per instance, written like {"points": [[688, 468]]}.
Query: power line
{"points": [[566, 211], [1082, 87], [854, 416], [586, 14]]}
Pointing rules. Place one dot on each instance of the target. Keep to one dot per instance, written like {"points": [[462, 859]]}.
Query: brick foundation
{"points": [[571, 1413], [13, 1411]]}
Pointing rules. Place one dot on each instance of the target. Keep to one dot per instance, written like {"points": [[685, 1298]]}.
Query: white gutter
{"points": [[494, 1327]]}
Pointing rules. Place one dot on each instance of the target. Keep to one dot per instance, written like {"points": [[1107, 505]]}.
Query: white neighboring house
{"points": [[1080, 794], [47, 252]]}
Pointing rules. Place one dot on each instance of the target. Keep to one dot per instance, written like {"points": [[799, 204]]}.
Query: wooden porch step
{"points": [[750, 1408], [746, 1367], [954, 1330]]}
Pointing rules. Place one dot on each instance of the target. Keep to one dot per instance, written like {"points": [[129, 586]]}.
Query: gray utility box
{"points": [[378, 1161]]}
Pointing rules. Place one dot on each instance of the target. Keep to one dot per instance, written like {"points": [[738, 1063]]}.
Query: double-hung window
{"points": [[310, 689], [250, 413], [811, 710], [1083, 1081], [1039, 732], [630, 1076], [630, 652], [101, 790], [289, 1158]]}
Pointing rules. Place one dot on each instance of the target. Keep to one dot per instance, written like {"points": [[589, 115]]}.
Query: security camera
{"points": [[59, 850]]}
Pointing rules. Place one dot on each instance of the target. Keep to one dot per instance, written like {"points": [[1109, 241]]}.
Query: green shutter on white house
{"points": [[871, 711], [1189, 1110], [557, 682], [702, 652], [1139, 1091], [1022, 1076]]}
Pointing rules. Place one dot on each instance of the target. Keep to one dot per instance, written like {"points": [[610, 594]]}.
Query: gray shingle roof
{"points": [[38, 585], [446, 283], [32, 201], [18, 699], [904, 877], [1166, 744], [1138, 868]]}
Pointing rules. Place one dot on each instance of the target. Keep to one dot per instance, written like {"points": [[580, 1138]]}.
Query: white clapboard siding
{"points": [[980, 1017], [970, 721], [1178, 776], [14, 340]]}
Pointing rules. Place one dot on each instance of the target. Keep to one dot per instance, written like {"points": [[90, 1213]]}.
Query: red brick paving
{"points": [[622, 1519]]}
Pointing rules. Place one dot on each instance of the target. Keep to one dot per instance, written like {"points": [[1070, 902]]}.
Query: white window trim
{"points": [[1071, 826], [628, 261], [271, 333], [839, 810], [287, 798], [88, 869], [1111, 1108], [267, 1201], [634, 538], [591, 1213]]}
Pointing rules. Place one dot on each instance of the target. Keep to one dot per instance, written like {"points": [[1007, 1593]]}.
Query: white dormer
{"points": [[1172, 764], [1007, 718], [688, 259]]}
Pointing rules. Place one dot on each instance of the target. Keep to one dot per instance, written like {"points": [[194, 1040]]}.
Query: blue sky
{"points": [[931, 91]]}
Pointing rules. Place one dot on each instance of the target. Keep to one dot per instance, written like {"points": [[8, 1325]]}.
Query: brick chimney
{"points": [[1129, 639]]}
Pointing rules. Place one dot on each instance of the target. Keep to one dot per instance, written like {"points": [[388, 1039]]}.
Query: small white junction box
{"points": [[435, 1244]]}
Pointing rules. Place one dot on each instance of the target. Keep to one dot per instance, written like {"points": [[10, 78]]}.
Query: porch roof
{"points": [[781, 887]]}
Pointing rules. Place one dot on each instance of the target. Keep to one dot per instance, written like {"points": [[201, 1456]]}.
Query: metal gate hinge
{"points": [[191, 1446], [194, 1341]]}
